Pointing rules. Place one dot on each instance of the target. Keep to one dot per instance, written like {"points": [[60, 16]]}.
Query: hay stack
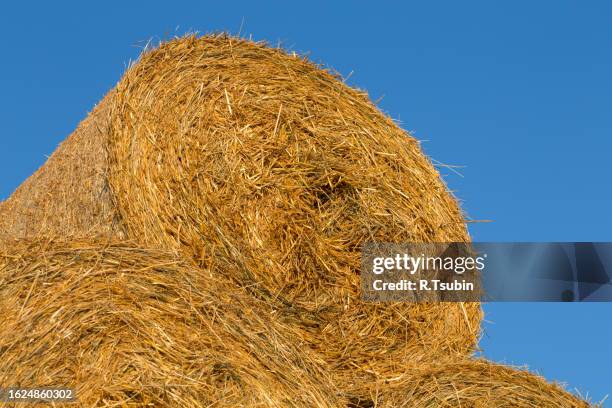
{"points": [[126, 326], [250, 160], [475, 384], [269, 174], [130, 327]]}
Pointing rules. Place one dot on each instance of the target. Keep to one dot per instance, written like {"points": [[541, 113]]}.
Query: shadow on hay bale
{"points": [[129, 327], [475, 384], [69, 195], [234, 153]]}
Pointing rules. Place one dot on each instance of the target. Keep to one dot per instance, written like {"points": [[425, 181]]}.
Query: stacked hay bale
{"points": [[249, 160], [476, 384], [127, 326], [278, 165], [265, 170]]}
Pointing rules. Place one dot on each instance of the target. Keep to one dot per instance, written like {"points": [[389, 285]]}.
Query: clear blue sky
{"points": [[518, 92]]}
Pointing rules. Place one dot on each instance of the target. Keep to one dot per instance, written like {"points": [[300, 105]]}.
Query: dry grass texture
{"points": [[127, 326], [232, 152], [476, 384], [70, 193]]}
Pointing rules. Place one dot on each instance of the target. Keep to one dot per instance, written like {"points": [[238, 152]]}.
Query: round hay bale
{"points": [[475, 384], [227, 149], [126, 326], [265, 167]]}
